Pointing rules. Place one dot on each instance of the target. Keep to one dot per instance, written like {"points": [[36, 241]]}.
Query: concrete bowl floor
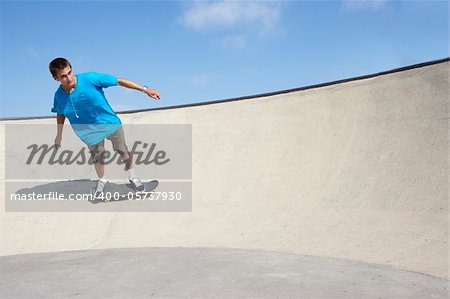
{"points": [[205, 273]]}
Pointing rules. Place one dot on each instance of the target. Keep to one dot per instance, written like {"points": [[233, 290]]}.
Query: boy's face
{"points": [[66, 77]]}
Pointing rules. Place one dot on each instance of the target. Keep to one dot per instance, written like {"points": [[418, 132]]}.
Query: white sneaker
{"points": [[99, 189], [137, 184]]}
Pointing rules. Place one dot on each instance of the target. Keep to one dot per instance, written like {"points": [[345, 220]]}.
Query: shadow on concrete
{"points": [[82, 186]]}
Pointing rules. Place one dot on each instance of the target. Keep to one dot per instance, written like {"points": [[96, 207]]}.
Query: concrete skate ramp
{"points": [[356, 171]]}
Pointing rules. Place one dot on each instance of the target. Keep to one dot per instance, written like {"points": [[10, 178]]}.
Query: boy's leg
{"points": [[128, 160], [118, 142], [97, 155], [97, 152], [100, 169]]}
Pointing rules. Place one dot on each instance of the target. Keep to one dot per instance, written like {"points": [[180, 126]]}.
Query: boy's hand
{"points": [[58, 140], [153, 93]]}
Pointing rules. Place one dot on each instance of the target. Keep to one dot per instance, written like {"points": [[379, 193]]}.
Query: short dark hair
{"points": [[58, 64]]}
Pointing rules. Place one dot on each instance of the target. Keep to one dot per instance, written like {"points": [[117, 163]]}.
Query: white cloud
{"points": [[364, 4], [230, 14]]}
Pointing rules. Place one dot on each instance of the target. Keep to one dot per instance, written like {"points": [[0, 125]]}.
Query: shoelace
{"points": [[100, 185], [136, 181]]}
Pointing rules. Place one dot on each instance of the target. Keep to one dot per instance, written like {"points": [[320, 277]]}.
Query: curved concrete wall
{"points": [[357, 171]]}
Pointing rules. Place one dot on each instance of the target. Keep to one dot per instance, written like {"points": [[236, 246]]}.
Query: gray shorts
{"points": [[118, 141]]}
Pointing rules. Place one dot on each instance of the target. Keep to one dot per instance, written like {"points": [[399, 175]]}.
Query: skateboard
{"points": [[120, 192]]}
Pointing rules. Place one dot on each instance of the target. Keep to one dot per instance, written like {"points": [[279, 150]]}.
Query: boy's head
{"points": [[58, 64], [61, 70]]}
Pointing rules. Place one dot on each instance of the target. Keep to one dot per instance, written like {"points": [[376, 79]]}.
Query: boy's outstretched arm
{"points": [[153, 93]]}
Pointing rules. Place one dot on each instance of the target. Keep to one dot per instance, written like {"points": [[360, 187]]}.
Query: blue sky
{"points": [[196, 51]]}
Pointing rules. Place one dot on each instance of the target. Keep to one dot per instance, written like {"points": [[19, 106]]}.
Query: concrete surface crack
{"points": [[102, 237]]}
